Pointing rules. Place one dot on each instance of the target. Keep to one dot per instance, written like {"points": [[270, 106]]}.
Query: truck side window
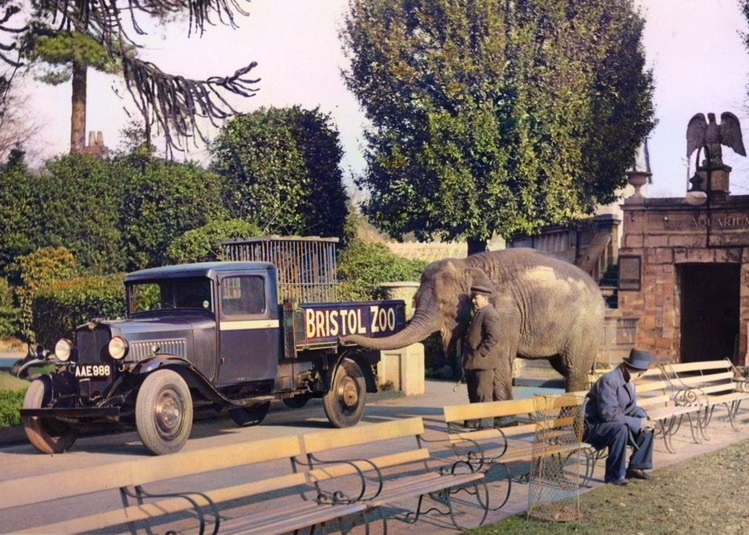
{"points": [[242, 295]]}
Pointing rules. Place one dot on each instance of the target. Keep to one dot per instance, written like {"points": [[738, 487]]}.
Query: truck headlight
{"points": [[118, 348], [63, 349]]}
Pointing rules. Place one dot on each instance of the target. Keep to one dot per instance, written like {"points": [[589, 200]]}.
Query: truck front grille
{"points": [[92, 344], [142, 349]]}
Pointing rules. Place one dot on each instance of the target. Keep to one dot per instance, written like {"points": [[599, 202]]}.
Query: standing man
{"points": [[480, 355], [613, 420]]}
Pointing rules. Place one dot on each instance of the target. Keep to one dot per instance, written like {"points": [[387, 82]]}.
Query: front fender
{"points": [[192, 376], [153, 363]]}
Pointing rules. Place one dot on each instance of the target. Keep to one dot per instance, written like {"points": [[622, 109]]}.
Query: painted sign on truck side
{"points": [[327, 321]]}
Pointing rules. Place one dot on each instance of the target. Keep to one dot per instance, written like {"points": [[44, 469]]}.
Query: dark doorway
{"points": [[709, 311]]}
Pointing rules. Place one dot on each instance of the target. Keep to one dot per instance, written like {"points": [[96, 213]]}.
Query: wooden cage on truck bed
{"points": [[306, 265]]}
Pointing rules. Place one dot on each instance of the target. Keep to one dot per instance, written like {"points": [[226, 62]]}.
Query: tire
{"points": [[249, 416], [344, 402], [163, 412], [47, 435], [297, 402]]}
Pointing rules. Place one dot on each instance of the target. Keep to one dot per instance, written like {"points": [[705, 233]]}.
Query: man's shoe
{"points": [[636, 473], [620, 482]]}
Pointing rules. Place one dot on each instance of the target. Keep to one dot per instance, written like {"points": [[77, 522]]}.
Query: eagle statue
{"points": [[709, 135]]}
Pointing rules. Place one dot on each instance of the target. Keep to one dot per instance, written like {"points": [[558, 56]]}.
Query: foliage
{"points": [[11, 403], [112, 215], [60, 307], [62, 50], [80, 197], [492, 117], [362, 267], [162, 201], [20, 221], [35, 271], [9, 314], [282, 168], [204, 244]]}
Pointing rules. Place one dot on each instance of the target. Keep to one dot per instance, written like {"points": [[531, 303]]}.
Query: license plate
{"points": [[93, 370]]}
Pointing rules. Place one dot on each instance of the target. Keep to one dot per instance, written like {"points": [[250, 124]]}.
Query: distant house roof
{"points": [[429, 252]]}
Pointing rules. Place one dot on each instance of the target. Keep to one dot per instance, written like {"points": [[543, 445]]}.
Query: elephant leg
{"points": [[503, 381], [557, 362], [508, 350], [578, 362]]}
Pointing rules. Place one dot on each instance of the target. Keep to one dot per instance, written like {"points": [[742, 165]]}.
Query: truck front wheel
{"points": [[163, 412], [45, 434], [344, 402]]}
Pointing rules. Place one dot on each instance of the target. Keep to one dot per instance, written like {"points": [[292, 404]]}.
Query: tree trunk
{"points": [[78, 113], [476, 245]]}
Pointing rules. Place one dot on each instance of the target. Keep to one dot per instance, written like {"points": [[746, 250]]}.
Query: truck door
{"points": [[249, 335]]}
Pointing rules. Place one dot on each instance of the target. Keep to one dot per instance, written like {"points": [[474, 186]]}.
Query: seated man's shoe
{"points": [[636, 473], [620, 482]]}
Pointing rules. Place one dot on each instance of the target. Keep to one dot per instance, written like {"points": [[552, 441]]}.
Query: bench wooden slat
{"points": [[159, 508], [81, 481], [343, 438], [288, 521], [475, 411], [410, 487]]}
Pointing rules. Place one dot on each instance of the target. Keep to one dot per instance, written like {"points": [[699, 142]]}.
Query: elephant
{"points": [[549, 309]]}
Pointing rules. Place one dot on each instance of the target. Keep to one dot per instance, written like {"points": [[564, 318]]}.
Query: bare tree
{"points": [[17, 126]]}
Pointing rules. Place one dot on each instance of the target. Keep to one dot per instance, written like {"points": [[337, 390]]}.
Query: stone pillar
{"points": [[405, 290], [404, 368]]}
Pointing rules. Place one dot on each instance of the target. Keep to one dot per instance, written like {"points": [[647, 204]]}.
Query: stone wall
{"points": [[665, 233]]}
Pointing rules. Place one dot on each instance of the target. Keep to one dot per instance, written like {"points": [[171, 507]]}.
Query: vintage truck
{"points": [[205, 337]]}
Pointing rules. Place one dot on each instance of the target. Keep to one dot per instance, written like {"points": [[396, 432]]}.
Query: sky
{"points": [[694, 47]]}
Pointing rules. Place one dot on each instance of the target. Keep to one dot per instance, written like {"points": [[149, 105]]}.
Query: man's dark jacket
{"points": [[614, 400], [480, 351]]}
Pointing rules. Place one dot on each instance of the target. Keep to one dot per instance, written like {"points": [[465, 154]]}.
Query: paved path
{"points": [[18, 460]]}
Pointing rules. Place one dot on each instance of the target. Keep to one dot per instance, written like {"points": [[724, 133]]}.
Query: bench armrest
{"points": [[688, 396], [139, 494], [352, 467]]}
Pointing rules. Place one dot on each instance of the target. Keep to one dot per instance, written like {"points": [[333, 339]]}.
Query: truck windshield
{"points": [[190, 293]]}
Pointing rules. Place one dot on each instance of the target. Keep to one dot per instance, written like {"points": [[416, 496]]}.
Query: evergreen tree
{"points": [[282, 171], [71, 36], [494, 117]]}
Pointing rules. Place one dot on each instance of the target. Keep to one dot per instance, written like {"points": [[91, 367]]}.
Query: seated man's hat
{"points": [[639, 360]]}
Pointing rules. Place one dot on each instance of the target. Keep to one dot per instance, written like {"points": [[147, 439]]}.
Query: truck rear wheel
{"points": [[45, 434], [163, 412], [344, 402], [249, 416]]}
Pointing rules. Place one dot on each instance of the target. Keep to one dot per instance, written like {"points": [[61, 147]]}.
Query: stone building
{"points": [[684, 271]]}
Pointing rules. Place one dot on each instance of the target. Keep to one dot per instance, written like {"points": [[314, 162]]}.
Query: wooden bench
{"points": [[406, 470], [141, 507], [708, 384], [508, 436], [657, 396]]}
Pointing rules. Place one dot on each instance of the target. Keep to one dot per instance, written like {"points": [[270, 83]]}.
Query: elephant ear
{"points": [[446, 279]]}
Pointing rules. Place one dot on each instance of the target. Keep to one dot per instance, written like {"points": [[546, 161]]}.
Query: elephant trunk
{"points": [[422, 325]]}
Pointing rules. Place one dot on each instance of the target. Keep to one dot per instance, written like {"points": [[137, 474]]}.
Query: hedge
{"points": [[62, 306], [10, 407], [363, 266]]}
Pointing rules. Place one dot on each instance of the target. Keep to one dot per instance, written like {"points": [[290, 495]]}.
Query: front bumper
{"points": [[75, 413]]}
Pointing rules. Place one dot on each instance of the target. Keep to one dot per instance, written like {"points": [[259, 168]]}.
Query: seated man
{"points": [[613, 420]]}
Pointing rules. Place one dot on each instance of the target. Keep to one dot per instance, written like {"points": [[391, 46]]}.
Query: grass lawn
{"points": [[707, 495], [8, 382]]}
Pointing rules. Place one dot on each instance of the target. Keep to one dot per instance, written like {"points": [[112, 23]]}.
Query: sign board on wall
{"points": [[630, 273]]}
